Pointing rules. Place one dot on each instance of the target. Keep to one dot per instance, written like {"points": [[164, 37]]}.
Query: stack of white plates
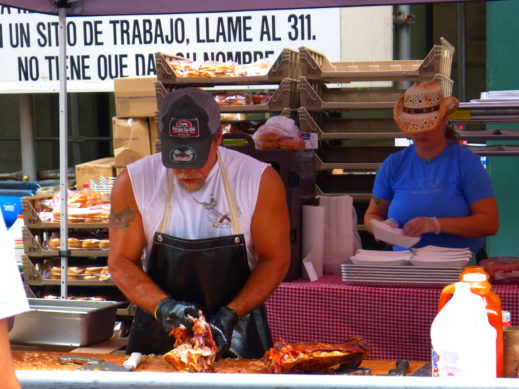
{"points": [[440, 256], [381, 258]]}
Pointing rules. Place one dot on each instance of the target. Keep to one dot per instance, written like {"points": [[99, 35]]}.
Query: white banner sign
{"points": [[103, 48]]}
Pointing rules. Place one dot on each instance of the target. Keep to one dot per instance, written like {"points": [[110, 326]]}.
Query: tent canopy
{"points": [[136, 7]]}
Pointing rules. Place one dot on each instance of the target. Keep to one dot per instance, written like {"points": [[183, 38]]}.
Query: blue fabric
{"points": [[443, 187]]}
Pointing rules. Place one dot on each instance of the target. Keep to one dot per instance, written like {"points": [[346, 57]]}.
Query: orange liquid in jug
{"points": [[479, 284]]}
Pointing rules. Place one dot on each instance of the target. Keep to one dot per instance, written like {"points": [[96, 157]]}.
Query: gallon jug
{"points": [[478, 279], [463, 341]]}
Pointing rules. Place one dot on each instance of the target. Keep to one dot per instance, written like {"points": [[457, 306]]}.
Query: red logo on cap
{"points": [[184, 128], [183, 123]]}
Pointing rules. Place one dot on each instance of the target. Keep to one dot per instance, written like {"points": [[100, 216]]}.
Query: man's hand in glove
{"points": [[222, 325], [172, 313], [421, 225]]}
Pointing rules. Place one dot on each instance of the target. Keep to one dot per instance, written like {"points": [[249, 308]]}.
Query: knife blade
{"points": [[400, 368], [90, 363]]}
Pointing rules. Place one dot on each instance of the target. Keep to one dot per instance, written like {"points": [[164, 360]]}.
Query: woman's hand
{"points": [[422, 225], [391, 223]]}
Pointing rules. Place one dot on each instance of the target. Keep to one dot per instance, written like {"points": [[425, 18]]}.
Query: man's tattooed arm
{"points": [[121, 220]]}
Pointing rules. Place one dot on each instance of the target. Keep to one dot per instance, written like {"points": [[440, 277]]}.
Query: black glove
{"points": [[222, 324], [172, 314]]}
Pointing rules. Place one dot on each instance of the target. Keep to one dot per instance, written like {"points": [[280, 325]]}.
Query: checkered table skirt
{"points": [[394, 322]]}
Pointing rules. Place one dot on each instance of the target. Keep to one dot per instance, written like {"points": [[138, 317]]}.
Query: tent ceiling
{"points": [[135, 7]]}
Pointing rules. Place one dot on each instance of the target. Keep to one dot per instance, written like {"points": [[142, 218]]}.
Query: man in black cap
{"points": [[214, 227]]}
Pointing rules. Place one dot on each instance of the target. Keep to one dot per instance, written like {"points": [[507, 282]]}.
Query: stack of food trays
{"points": [[87, 245], [347, 107]]}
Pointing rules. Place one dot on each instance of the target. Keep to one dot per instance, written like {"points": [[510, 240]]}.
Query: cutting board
{"points": [[48, 360]]}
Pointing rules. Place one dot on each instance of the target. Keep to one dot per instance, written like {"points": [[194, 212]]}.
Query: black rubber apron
{"points": [[207, 272]]}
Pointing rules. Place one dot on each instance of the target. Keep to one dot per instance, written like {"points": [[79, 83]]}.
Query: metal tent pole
{"points": [[63, 149], [462, 52], [26, 137], [402, 20]]}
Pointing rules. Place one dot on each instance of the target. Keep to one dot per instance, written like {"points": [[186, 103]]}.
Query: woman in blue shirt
{"points": [[435, 188]]}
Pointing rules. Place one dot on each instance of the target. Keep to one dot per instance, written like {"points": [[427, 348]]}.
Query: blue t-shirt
{"points": [[443, 187]]}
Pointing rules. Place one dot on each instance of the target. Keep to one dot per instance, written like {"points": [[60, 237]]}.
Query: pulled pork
{"points": [[315, 357], [194, 350]]}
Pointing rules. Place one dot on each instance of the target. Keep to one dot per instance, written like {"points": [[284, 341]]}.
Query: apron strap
{"points": [[168, 202], [235, 221]]}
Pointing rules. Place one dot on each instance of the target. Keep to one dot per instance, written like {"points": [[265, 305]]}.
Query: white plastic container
{"points": [[16, 236], [463, 341]]}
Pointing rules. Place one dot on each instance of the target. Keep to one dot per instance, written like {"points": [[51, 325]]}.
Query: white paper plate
{"points": [[442, 249], [373, 261], [436, 262], [381, 257], [442, 256], [388, 234], [385, 253]]}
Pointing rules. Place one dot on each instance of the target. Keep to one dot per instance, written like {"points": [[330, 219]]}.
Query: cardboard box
{"points": [[103, 167], [135, 97], [154, 136], [131, 140]]}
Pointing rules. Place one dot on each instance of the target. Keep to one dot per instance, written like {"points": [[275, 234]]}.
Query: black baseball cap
{"points": [[188, 120]]}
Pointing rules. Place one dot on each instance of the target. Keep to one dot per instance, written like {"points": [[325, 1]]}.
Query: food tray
{"points": [[316, 96], [64, 322], [399, 276], [315, 66], [31, 206], [32, 276], [344, 128], [33, 248], [285, 96], [286, 65], [352, 157], [496, 151], [320, 165]]}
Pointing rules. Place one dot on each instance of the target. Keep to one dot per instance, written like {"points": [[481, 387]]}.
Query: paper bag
{"points": [[341, 238], [313, 241]]}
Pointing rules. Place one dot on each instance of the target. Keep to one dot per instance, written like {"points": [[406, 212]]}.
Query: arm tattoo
{"points": [[376, 200], [122, 219]]}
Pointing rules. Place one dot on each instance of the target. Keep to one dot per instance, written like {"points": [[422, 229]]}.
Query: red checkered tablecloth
{"points": [[394, 322]]}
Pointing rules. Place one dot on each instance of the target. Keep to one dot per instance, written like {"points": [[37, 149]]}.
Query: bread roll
{"points": [[90, 243], [74, 243], [54, 243], [104, 243]]}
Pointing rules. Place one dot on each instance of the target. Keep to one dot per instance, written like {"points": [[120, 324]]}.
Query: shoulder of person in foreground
{"points": [[270, 223], [8, 377]]}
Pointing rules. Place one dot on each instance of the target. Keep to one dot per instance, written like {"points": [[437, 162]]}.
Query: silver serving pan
{"points": [[64, 322]]}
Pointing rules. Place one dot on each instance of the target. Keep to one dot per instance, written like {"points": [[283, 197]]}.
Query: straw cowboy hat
{"points": [[422, 107]]}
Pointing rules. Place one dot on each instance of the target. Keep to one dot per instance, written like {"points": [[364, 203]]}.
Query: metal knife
{"points": [[400, 369], [90, 363]]}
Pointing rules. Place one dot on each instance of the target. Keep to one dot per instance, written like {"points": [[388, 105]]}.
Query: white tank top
{"points": [[201, 214]]}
